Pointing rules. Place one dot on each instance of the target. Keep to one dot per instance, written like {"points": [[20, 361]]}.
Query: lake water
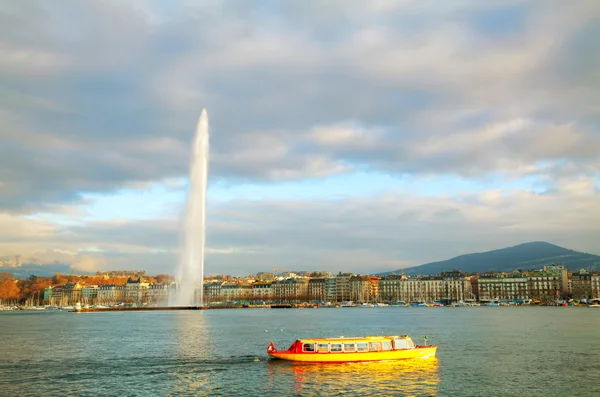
{"points": [[495, 351]]}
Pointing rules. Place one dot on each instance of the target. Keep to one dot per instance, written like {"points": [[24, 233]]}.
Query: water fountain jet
{"points": [[190, 273]]}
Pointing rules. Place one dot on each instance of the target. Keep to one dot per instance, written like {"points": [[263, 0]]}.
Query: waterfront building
{"points": [[417, 289], [63, 295], [447, 287], [56, 296], [330, 289], [390, 286], [359, 289], [373, 288], [364, 288], [158, 294], [595, 282], [342, 287], [262, 291], [107, 294], [322, 289], [48, 294], [232, 292], [71, 292], [136, 291], [229, 291], [549, 284], [121, 291], [316, 289], [427, 288], [498, 287], [291, 290], [474, 288], [212, 291], [580, 285], [89, 294], [545, 286], [562, 273], [457, 286]]}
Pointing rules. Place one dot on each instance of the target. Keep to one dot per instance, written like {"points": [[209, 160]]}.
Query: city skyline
{"points": [[362, 137], [553, 283]]}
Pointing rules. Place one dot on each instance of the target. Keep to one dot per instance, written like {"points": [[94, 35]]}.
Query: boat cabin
{"points": [[352, 345]]}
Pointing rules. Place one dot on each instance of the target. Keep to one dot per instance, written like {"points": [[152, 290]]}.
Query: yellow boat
{"points": [[344, 350]]}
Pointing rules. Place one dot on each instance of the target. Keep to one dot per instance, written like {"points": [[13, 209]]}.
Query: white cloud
{"points": [[31, 61], [495, 90], [360, 234]]}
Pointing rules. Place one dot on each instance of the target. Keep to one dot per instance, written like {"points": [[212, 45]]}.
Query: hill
{"points": [[526, 256]]}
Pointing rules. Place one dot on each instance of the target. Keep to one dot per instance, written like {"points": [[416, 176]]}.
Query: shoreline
{"points": [[155, 308]]}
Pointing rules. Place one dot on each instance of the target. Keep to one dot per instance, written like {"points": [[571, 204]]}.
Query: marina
{"points": [[594, 303]]}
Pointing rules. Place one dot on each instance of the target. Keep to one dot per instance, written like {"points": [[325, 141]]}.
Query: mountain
{"points": [[526, 256], [28, 269]]}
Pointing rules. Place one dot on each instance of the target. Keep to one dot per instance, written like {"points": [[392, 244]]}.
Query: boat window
{"points": [[362, 347], [322, 348], [374, 346], [336, 347], [400, 344], [411, 345], [349, 347], [308, 347], [386, 345]]}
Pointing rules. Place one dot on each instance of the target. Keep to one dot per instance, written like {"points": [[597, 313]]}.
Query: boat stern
{"points": [[271, 349], [284, 354]]}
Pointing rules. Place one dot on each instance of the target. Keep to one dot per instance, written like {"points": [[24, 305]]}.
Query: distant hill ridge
{"points": [[525, 256], [40, 270]]}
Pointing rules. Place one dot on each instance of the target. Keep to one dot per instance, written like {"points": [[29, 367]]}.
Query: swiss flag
{"points": [[271, 347]]}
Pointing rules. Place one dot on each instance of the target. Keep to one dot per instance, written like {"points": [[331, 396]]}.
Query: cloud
{"points": [[296, 92], [359, 234], [89, 264], [513, 146]]}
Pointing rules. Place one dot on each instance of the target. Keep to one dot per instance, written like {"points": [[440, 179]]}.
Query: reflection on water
{"points": [[418, 377], [513, 352], [193, 350], [192, 340], [206, 355]]}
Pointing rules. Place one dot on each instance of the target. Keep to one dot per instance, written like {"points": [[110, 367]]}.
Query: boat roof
{"points": [[355, 339]]}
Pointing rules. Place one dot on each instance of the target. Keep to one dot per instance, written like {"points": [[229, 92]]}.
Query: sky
{"points": [[359, 136]]}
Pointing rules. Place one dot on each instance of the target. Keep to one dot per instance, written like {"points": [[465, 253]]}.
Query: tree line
{"points": [[21, 290]]}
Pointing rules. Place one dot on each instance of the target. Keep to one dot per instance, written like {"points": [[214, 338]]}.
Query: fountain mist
{"points": [[190, 273]]}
